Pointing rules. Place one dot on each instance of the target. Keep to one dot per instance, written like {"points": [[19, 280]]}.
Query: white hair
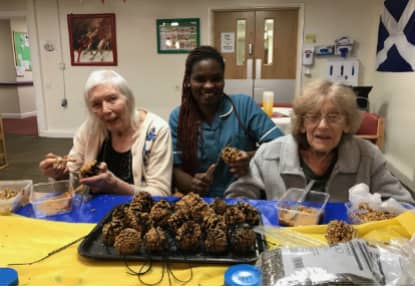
{"points": [[108, 77]]}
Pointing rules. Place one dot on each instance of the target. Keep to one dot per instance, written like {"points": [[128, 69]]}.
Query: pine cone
{"points": [[234, 215], [218, 205], [189, 236], [177, 219], [229, 154], [160, 213], [252, 215], [89, 169], [155, 240], [339, 231], [216, 241], [141, 202], [243, 239], [128, 241]]}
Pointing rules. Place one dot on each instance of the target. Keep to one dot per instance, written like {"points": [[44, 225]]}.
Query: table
{"points": [[94, 209], [25, 239], [281, 117]]}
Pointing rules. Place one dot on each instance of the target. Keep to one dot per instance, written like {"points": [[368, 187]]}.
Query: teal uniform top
{"points": [[254, 127]]}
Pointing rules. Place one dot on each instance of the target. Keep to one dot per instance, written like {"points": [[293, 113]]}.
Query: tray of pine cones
{"points": [[185, 230]]}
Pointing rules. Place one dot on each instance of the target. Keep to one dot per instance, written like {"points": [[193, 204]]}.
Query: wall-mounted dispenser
{"points": [[345, 71]]}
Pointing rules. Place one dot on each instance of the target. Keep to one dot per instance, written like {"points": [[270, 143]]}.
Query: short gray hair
{"points": [[311, 98], [108, 77]]}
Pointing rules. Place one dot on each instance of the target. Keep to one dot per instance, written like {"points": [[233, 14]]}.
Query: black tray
{"points": [[93, 247]]}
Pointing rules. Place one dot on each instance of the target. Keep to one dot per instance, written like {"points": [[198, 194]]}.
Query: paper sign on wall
{"points": [[227, 42]]}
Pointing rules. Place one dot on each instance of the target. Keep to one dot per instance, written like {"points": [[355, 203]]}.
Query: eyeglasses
{"points": [[331, 118]]}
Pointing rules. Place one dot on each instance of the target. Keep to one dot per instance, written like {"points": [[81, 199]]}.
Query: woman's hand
{"points": [[49, 168], [240, 166], [104, 182], [202, 181]]}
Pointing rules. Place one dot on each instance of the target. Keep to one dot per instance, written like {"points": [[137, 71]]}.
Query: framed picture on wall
{"points": [[177, 35], [21, 49], [92, 39]]}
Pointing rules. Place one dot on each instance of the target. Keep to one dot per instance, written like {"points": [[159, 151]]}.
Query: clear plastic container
{"points": [[52, 198], [21, 188], [365, 214], [296, 207]]}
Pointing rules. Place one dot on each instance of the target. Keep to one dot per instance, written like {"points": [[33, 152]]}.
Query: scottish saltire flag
{"points": [[396, 37]]}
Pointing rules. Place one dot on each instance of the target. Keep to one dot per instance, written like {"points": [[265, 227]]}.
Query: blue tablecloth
{"points": [[92, 210]]}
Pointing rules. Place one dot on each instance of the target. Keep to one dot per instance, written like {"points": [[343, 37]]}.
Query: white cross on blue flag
{"points": [[396, 37]]}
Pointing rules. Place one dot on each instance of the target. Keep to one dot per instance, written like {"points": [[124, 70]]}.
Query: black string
{"points": [[50, 253], [166, 268], [154, 283], [169, 269], [132, 272]]}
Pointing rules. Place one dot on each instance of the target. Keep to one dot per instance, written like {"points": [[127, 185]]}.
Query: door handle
{"points": [[249, 68], [258, 68], [250, 49]]}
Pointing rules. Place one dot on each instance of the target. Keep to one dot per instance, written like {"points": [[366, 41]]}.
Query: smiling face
{"points": [[207, 83], [110, 106], [324, 127]]}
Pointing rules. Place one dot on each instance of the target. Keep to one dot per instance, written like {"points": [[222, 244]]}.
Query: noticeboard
{"points": [[22, 50]]}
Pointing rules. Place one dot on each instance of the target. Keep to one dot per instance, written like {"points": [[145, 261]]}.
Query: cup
{"points": [[268, 102]]}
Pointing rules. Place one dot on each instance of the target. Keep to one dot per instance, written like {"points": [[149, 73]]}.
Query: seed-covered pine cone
{"points": [[187, 202], [119, 215], [216, 241], [229, 154], [189, 236], [339, 231], [110, 231], [160, 213], [218, 205], [243, 239], [214, 221], [177, 219], [141, 202], [234, 215], [251, 213], [128, 242], [140, 222], [200, 210], [89, 169], [155, 240]]}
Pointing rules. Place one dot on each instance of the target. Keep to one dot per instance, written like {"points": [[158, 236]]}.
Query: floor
{"points": [[24, 152]]}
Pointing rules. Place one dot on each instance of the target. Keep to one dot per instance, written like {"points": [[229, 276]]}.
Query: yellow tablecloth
{"points": [[25, 239]]}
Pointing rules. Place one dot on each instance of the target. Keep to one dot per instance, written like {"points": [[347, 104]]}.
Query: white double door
{"points": [[260, 51]]}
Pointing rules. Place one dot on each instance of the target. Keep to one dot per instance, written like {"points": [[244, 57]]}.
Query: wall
{"points": [[8, 95], [27, 106], [156, 78], [22, 99]]}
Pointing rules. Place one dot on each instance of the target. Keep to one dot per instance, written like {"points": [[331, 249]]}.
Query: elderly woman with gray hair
{"points": [[133, 145], [322, 150]]}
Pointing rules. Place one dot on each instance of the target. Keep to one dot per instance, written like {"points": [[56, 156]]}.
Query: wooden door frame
{"points": [[300, 36]]}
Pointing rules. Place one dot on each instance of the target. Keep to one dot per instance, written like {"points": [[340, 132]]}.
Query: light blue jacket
{"points": [[276, 167]]}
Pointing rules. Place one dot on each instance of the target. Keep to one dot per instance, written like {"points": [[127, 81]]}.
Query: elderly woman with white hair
{"points": [[133, 145], [321, 151]]}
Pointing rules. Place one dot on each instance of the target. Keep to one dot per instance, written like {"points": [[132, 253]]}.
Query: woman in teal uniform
{"points": [[207, 121]]}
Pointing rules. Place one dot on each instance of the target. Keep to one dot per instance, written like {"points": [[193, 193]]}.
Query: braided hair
{"points": [[190, 117]]}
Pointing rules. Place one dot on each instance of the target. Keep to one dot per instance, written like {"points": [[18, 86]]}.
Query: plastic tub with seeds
{"points": [[13, 193], [298, 207], [51, 198]]}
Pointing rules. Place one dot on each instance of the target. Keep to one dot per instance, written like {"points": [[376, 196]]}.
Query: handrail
{"points": [[14, 84]]}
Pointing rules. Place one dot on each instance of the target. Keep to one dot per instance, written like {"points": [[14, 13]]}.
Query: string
{"points": [[50, 253], [132, 272]]}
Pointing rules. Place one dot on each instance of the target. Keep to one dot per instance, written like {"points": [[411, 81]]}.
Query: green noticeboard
{"points": [[22, 50]]}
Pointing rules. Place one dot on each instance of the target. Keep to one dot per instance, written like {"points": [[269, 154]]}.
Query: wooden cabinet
{"points": [[3, 157]]}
